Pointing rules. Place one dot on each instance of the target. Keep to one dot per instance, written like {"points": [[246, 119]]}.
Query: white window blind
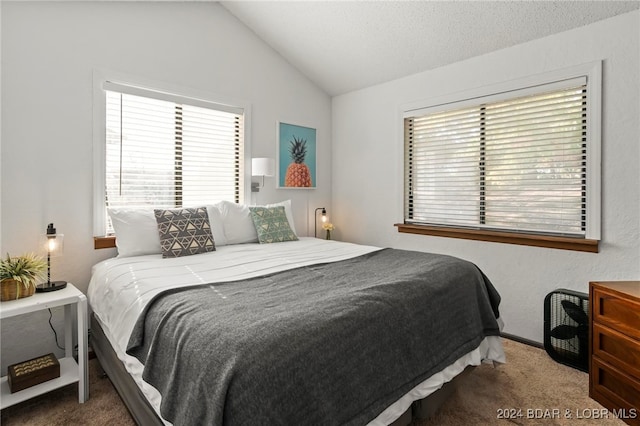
{"points": [[166, 151], [515, 162]]}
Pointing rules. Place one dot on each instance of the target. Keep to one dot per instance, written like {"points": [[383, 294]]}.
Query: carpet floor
{"points": [[530, 380]]}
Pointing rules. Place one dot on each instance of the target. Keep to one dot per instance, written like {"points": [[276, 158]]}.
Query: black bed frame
{"points": [[144, 415], [129, 392]]}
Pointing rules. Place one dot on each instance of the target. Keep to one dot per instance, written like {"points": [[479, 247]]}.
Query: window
{"points": [[520, 161], [165, 151]]}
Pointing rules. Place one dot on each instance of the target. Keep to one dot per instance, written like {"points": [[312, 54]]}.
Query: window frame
{"points": [[593, 73], [200, 98]]}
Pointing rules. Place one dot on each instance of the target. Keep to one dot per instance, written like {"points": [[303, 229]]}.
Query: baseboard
{"points": [[522, 340]]}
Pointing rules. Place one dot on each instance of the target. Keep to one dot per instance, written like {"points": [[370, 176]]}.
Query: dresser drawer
{"points": [[616, 349], [619, 314], [613, 385]]}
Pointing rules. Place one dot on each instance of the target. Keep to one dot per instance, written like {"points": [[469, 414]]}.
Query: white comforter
{"points": [[121, 287]]}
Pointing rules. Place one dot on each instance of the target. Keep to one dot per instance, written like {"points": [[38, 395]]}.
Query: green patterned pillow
{"points": [[272, 225], [184, 232]]}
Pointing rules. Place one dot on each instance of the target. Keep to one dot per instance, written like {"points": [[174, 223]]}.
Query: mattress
{"points": [[120, 288]]}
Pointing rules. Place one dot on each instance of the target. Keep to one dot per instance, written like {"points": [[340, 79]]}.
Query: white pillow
{"points": [[237, 223], [137, 230], [217, 228]]}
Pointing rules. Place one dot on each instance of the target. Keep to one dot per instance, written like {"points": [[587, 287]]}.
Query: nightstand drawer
{"points": [[611, 383], [617, 313], [617, 349]]}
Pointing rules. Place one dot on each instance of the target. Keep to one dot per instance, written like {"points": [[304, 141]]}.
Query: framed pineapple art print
{"points": [[296, 156]]}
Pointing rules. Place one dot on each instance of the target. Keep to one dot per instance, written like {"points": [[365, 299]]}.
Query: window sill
{"points": [[563, 243], [104, 242]]}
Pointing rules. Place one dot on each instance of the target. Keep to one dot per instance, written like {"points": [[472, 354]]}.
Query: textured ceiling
{"points": [[347, 45]]}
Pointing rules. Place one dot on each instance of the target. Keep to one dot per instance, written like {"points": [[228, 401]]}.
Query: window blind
{"points": [[516, 164], [170, 153]]}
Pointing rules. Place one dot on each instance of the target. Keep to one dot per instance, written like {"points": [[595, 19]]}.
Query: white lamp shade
{"points": [[263, 167]]}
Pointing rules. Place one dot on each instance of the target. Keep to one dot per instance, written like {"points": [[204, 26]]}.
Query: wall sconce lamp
{"points": [[261, 167], [54, 244], [315, 220]]}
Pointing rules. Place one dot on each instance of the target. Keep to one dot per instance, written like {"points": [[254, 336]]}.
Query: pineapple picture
{"points": [[296, 156], [298, 174]]}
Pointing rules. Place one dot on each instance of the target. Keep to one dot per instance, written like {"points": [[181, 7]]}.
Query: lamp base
{"points": [[50, 286]]}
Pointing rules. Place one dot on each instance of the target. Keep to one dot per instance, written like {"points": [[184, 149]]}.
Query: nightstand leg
{"points": [[68, 332], [83, 382]]}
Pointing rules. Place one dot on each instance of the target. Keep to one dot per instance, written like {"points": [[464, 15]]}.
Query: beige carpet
{"points": [[529, 380]]}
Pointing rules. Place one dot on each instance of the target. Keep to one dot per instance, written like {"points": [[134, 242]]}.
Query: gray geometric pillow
{"points": [[184, 232], [272, 225]]}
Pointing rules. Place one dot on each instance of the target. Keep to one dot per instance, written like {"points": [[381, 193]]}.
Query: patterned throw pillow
{"points": [[272, 225], [184, 232]]}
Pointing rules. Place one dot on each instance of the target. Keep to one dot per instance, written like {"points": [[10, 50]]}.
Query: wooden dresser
{"points": [[614, 347]]}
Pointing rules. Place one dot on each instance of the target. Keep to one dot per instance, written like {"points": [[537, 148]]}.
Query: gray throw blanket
{"points": [[328, 344]]}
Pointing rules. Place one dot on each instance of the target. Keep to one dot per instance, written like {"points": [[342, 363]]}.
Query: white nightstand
{"points": [[70, 370]]}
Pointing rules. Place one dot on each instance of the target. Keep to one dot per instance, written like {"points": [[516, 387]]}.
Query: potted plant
{"points": [[18, 275]]}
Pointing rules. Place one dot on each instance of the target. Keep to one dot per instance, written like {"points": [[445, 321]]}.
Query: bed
{"points": [[306, 331]]}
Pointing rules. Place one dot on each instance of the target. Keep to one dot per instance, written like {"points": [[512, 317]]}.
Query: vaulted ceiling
{"points": [[347, 45]]}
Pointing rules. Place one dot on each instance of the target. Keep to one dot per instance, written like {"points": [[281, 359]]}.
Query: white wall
{"points": [[49, 53], [367, 183]]}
